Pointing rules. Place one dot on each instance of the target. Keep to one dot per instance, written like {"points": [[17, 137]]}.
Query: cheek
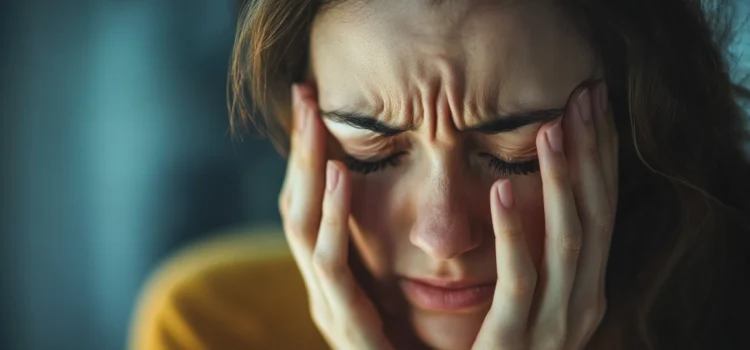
{"points": [[377, 213], [531, 206]]}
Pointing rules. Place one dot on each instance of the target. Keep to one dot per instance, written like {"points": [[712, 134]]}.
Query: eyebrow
{"points": [[498, 124]]}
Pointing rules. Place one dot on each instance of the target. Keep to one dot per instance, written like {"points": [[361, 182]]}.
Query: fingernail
{"points": [[584, 105], [554, 137], [505, 194], [332, 176]]}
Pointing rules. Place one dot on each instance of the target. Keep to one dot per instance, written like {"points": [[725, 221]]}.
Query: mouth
{"points": [[444, 295]]}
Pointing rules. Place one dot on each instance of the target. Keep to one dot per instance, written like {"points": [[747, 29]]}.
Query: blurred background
{"points": [[115, 153]]}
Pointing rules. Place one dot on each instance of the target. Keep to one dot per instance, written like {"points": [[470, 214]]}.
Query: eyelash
{"points": [[364, 167], [507, 169], [501, 167]]}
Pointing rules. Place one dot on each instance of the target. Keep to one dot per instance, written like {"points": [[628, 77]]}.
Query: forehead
{"points": [[387, 57]]}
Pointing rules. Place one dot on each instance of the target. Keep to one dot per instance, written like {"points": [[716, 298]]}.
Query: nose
{"points": [[443, 227]]}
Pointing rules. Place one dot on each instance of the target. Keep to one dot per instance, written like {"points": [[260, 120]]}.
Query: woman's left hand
{"points": [[561, 305]]}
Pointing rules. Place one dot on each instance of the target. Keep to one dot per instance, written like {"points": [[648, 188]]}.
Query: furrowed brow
{"points": [[366, 122], [514, 121], [496, 125]]}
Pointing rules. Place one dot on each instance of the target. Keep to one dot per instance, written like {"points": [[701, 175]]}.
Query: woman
{"points": [[505, 174]]}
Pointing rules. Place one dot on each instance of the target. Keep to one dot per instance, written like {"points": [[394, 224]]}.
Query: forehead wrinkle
{"points": [[436, 46], [455, 93], [411, 98], [455, 104], [421, 88], [394, 77], [437, 93], [392, 105], [385, 101], [427, 94], [417, 109]]}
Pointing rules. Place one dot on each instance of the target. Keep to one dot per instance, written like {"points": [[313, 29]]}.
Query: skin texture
{"points": [[438, 69]]}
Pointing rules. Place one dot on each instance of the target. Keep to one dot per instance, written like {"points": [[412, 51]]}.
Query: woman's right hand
{"points": [[314, 207]]}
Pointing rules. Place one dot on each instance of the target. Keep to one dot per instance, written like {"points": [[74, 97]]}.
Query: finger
{"points": [[607, 139], [590, 191], [306, 169], [563, 230], [505, 323], [331, 250], [301, 94], [608, 154], [596, 216], [350, 308], [304, 186]]}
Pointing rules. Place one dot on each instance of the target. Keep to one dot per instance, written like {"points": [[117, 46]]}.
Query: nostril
{"points": [[434, 247], [444, 238]]}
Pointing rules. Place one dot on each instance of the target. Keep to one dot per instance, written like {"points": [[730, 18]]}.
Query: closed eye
{"points": [[366, 167], [504, 168], [495, 165]]}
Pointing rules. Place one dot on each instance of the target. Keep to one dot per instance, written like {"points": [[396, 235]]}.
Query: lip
{"points": [[444, 295]]}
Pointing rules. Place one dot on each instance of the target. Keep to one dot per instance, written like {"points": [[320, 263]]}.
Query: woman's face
{"points": [[428, 84]]}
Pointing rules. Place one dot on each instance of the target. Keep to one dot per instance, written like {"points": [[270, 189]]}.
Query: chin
{"points": [[444, 330]]}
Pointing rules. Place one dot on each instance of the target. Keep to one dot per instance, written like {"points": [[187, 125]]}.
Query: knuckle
{"points": [[321, 264], [510, 234], [590, 147], [602, 226], [571, 244], [558, 173], [331, 221], [522, 286], [325, 266], [553, 337], [296, 225]]}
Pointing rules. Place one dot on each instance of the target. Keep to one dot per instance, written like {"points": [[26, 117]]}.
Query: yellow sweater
{"points": [[244, 291], [236, 291]]}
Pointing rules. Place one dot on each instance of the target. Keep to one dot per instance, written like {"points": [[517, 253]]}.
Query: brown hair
{"points": [[676, 267]]}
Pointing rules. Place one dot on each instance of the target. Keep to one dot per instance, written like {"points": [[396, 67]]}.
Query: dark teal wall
{"points": [[115, 153]]}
